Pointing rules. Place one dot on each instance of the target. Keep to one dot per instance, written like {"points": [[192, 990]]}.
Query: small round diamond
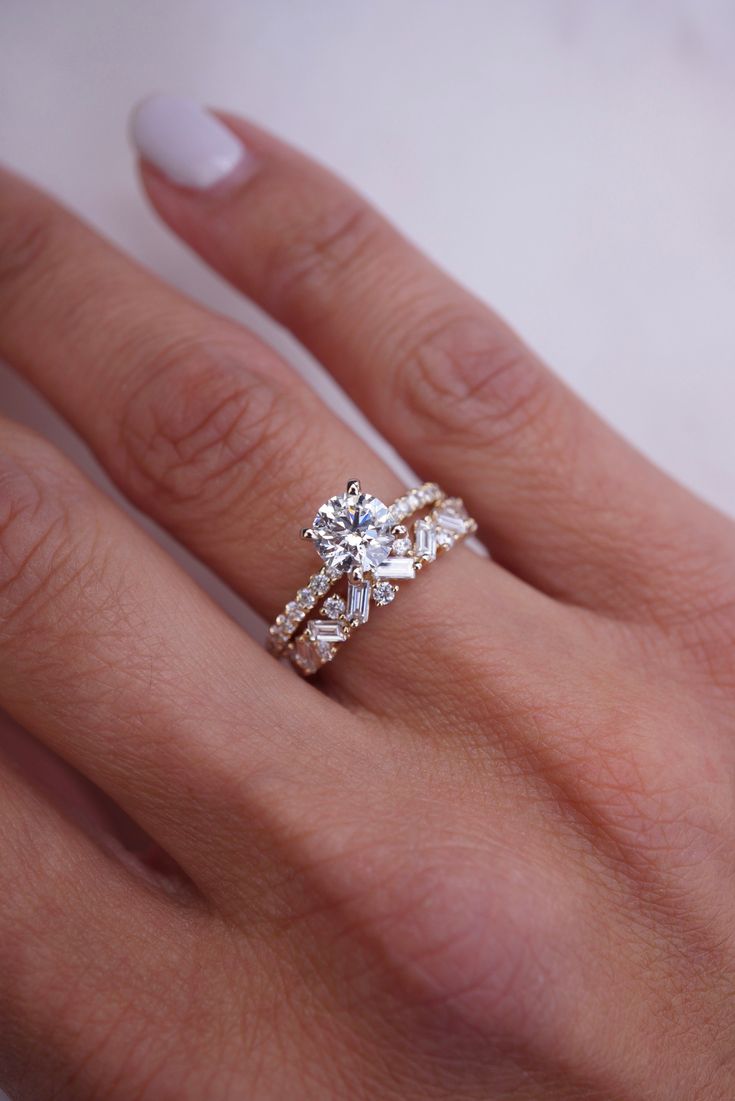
{"points": [[305, 598], [402, 546], [384, 592], [319, 584], [333, 607], [444, 538]]}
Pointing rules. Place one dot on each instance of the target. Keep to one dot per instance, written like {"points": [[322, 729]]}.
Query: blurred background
{"points": [[573, 161]]}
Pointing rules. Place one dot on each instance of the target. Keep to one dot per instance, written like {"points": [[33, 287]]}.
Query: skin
{"points": [[487, 854]]}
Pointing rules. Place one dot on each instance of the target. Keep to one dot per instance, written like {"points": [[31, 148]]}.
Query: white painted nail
{"points": [[187, 144]]}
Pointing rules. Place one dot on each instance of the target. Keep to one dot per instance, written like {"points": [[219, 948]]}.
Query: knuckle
{"points": [[202, 426], [700, 619], [29, 239], [466, 375], [319, 251], [34, 535], [448, 934]]}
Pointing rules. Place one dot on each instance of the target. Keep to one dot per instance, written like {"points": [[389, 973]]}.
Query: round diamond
{"points": [[353, 531], [384, 592], [402, 546], [305, 598], [333, 607], [319, 584]]}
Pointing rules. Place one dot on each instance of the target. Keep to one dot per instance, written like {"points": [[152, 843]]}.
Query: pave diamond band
{"points": [[352, 533], [362, 540]]}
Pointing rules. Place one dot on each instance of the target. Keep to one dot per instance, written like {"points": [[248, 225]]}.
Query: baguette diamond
{"points": [[425, 540], [395, 568], [358, 601], [452, 516], [326, 630]]}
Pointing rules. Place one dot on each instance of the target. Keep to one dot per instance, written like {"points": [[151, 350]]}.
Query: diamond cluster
{"points": [[358, 535], [432, 535]]}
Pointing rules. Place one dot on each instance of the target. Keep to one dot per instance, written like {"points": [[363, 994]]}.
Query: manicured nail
{"points": [[186, 143]]}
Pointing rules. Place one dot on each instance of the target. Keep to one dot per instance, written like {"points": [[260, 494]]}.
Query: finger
{"points": [[113, 658], [561, 499], [77, 929], [198, 422]]}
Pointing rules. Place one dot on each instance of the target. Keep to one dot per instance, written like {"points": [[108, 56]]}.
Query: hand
{"points": [[493, 856]]}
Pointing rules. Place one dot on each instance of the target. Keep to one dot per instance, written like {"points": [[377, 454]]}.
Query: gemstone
{"points": [[305, 598], [319, 584], [326, 630], [452, 516], [333, 607], [444, 539], [402, 546], [384, 592], [305, 655], [425, 537], [358, 601], [396, 568], [353, 531]]}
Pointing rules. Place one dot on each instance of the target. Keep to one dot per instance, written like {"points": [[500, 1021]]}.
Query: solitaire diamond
{"points": [[353, 531]]}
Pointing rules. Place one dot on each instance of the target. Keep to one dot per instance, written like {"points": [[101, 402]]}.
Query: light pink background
{"points": [[573, 162]]}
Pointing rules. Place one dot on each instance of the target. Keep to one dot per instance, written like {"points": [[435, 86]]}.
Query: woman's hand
{"points": [[494, 856]]}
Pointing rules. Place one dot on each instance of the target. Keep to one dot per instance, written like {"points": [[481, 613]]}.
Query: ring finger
{"points": [[200, 423]]}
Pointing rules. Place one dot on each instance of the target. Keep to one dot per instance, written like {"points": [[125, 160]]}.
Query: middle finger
{"points": [[200, 423]]}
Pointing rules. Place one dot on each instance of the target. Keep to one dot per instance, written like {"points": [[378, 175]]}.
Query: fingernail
{"points": [[187, 144]]}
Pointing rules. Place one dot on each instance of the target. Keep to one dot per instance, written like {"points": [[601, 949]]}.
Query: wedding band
{"points": [[362, 539]]}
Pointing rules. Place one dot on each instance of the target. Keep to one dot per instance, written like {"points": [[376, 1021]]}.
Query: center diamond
{"points": [[353, 531]]}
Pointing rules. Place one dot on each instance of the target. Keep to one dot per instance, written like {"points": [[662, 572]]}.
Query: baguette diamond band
{"points": [[361, 539]]}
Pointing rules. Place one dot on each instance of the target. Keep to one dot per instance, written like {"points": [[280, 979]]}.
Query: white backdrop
{"points": [[573, 161]]}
